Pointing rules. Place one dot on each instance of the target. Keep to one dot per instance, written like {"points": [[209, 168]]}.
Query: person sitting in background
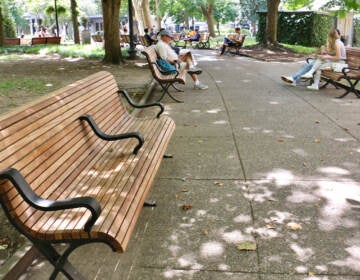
{"points": [[232, 40], [181, 62], [194, 38], [148, 38], [42, 32], [326, 55]]}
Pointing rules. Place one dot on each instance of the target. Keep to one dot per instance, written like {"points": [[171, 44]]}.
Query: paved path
{"points": [[260, 162]]}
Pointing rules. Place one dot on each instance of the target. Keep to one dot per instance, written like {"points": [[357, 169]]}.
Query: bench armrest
{"points": [[130, 101], [19, 182], [115, 137], [309, 59]]}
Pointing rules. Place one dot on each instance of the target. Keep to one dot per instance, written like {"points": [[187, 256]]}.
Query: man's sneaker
{"points": [[289, 80], [194, 70], [200, 86], [313, 87], [307, 75]]}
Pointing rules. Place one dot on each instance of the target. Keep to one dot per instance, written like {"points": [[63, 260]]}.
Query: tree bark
{"points": [[74, 17], [1, 28], [146, 13], [270, 38], [158, 17], [111, 10], [208, 12]]}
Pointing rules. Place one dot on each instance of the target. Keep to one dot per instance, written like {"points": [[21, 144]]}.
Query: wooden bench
{"points": [[77, 168], [12, 41], [165, 80], [45, 40], [349, 77], [203, 42]]}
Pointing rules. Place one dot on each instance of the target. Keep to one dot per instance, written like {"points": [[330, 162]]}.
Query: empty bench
{"points": [[349, 77], [45, 40], [12, 42], [76, 168], [164, 79]]}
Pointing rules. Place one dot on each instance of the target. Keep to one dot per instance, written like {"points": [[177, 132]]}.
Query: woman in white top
{"points": [[335, 54]]}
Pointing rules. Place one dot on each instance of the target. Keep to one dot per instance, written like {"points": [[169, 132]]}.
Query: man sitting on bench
{"points": [[232, 40], [194, 38], [182, 62]]}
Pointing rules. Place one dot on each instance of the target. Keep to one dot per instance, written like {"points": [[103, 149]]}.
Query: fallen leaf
{"points": [[177, 196], [358, 123], [184, 190], [186, 207], [311, 273], [293, 226], [270, 226], [281, 140], [317, 140], [246, 246], [206, 232], [346, 129], [218, 184], [317, 121], [304, 164], [3, 246]]}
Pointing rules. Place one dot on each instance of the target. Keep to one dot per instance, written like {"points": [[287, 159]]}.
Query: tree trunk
{"points": [[111, 10], [158, 17], [1, 28], [74, 17], [270, 38], [208, 12], [146, 13]]}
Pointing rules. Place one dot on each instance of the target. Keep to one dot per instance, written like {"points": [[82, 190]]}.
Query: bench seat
{"points": [[349, 77], [60, 157]]}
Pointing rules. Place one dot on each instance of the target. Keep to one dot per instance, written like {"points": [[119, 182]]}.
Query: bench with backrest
{"points": [[349, 77], [45, 40], [76, 168], [12, 41], [165, 80], [204, 41]]}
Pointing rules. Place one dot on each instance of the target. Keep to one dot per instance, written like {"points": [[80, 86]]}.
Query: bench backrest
{"points": [[204, 37], [50, 146], [11, 41], [53, 40], [97, 38], [353, 57], [143, 41], [45, 40]]}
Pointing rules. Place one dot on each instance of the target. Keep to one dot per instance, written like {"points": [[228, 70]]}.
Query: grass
{"points": [[84, 51], [300, 49], [27, 85]]}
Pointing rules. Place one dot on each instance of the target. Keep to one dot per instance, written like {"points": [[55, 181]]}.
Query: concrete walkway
{"points": [[258, 162]]}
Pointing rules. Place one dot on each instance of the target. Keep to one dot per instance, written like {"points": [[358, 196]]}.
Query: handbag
{"points": [[166, 66]]}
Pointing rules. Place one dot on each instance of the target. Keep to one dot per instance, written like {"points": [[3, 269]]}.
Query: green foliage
{"points": [[357, 31], [8, 21], [25, 85], [300, 49], [299, 28]]}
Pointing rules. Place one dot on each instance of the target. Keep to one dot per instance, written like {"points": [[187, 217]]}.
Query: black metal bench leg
{"points": [[166, 91], [175, 87], [60, 262], [150, 203], [351, 89]]}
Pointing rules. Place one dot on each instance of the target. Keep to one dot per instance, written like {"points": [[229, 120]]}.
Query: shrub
{"points": [[299, 28]]}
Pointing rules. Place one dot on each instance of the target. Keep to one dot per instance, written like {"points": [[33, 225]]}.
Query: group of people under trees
{"points": [[331, 56]]}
